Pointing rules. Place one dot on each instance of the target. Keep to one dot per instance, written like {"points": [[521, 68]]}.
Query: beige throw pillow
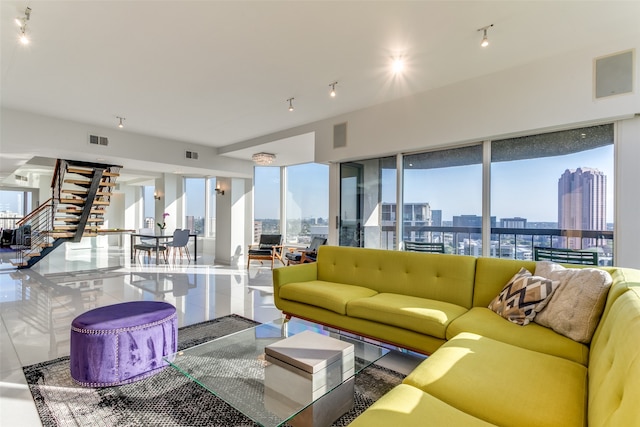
{"points": [[575, 308], [522, 297]]}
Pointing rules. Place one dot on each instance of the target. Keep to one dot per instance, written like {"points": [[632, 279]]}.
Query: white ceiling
{"points": [[219, 72]]}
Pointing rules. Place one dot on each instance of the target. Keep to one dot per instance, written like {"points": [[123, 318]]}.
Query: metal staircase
{"points": [[81, 192]]}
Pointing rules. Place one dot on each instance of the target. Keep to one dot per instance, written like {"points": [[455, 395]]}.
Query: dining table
{"points": [[162, 237]]}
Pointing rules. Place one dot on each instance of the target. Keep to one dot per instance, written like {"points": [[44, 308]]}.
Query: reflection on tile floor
{"points": [[37, 305]]}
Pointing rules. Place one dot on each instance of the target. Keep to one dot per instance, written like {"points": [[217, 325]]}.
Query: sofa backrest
{"points": [[442, 277], [614, 360], [491, 276]]}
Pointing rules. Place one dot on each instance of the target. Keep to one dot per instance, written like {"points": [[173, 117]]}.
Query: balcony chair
{"points": [[565, 256], [179, 242], [8, 238], [149, 245], [306, 255], [268, 248], [424, 247]]}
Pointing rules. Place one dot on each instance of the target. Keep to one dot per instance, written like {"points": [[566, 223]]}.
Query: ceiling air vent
{"points": [[191, 155], [98, 140], [21, 178]]}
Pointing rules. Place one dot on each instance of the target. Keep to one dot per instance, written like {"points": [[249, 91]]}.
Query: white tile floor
{"points": [[37, 306]]}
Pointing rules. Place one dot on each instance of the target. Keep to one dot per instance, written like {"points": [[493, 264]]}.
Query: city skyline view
{"points": [[521, 188]]}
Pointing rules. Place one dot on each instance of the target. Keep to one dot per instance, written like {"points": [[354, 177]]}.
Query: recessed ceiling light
{"points": [[397, 66]]}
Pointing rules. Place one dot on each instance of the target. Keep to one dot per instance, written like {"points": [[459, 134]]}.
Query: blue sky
{"points": [[524, 188]]}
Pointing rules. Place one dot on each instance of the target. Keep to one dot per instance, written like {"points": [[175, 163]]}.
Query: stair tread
{"points": [[87, 182], [81, 171], [75, 219], [79, 211], [72, 201], [84, 192]]}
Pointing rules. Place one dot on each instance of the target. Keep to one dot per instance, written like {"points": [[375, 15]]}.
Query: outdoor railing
{"points": [[9, 222], [516, 243]]}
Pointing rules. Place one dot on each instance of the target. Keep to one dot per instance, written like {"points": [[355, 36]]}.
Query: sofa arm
{"points": [[294, 273]]}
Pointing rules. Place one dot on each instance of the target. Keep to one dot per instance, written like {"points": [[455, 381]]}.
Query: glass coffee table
{"points": [[235, 369]]}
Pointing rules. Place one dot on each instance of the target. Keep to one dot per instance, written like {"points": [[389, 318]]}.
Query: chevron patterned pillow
{"points": [[523, 296]]}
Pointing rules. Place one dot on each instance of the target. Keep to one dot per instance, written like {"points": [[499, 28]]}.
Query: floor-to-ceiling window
{"points": [[307, 202], [553, 190], [367, 192], [549, 190], [442, 199], [266, 190], [14, 205], [194, 190]]}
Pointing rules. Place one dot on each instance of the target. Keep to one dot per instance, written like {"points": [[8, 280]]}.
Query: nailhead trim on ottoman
{"points": [[122, 343]]}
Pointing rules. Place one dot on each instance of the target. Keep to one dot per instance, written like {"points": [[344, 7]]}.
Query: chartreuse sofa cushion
{"points": [[504, 384], [410, 406], [447, 278], [482, 321], [332, 296], [416, 314]]}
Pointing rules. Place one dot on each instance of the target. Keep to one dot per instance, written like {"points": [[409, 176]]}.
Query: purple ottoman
{"points": [[122, 343]]}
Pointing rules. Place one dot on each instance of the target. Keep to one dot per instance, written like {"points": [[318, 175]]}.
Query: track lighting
{"points": [[120, 124], [333, 89], [485, 39], [290, 103], [22, 23]]}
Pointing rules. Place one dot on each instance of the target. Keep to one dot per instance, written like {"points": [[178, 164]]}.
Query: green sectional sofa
{"points": [[482, 370]]}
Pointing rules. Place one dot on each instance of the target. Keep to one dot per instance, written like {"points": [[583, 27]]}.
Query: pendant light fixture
{"points": [[120, 124], [290, 103], [263, 159]]}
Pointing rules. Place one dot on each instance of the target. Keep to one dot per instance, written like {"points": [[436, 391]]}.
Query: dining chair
{"points": [[149, 245], [180, 242]]}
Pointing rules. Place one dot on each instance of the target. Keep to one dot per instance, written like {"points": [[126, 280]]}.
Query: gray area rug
{"points": [[168, 398]]}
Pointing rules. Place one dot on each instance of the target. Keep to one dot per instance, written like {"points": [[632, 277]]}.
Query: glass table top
{"points": [[233, 368]]}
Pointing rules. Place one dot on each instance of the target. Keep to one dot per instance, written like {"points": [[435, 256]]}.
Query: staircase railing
{"points": [[33, 230]]}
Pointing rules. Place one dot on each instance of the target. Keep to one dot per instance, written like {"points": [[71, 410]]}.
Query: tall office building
{"points": [[582, 203]]}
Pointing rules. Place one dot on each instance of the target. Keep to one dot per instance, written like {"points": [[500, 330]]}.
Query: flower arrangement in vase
{"points": [[164, 224]]}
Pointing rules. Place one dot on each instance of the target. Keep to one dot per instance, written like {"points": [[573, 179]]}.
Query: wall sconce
{"points": [[219, 191], [156, 195]]}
